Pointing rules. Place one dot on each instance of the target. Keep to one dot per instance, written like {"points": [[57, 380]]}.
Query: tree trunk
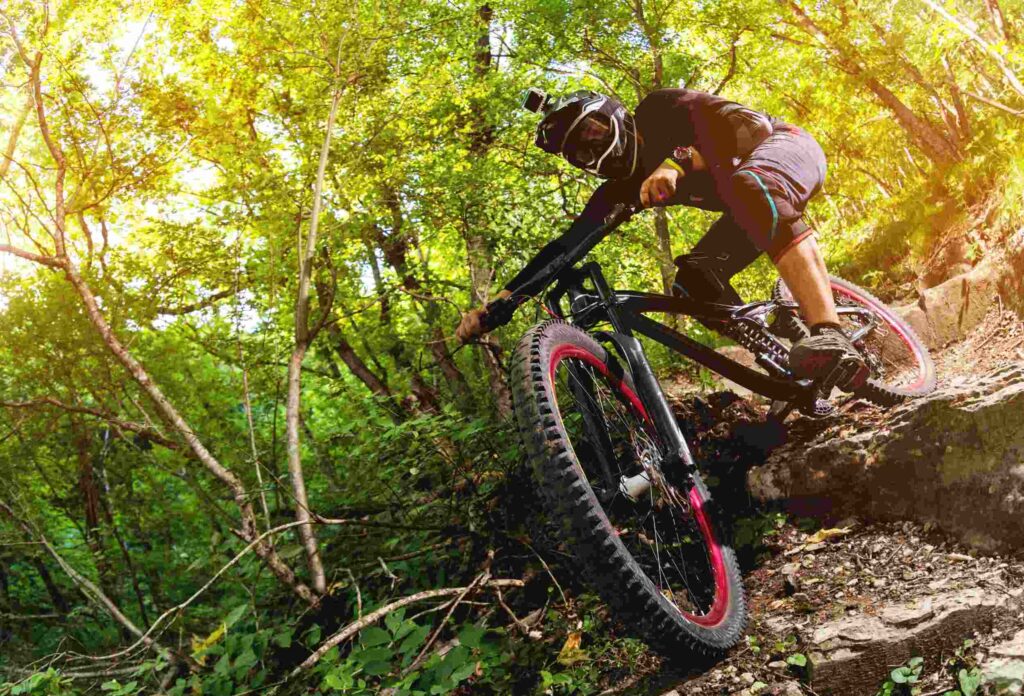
{"points": [[359, 369], [478, 253], [668, 269], [963, 121], [928, 140], [90, 495], [168, 413], [918, 129], [999, 22], [60, 602], [396, 249], [304, 336]]}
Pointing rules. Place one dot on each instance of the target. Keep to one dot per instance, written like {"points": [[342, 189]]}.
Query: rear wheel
{"points": [[647, 545], [900, 364]]}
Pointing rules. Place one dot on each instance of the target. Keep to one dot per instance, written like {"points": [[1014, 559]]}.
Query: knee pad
{"points": [[701, 277]]}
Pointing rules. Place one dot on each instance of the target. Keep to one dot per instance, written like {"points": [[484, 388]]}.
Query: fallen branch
{"points": [[374, 616], [74, 674], [31, 617], [482, 578], [145, 637]]}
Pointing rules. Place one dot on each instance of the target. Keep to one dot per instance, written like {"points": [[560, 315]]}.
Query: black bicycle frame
{"points": [[624, 311]]}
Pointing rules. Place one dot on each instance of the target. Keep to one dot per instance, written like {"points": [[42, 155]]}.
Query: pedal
{"points": [[848, 375], [820, 408]]}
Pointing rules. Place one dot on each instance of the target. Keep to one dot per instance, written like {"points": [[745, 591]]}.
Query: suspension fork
{"points": [[676, 457]]}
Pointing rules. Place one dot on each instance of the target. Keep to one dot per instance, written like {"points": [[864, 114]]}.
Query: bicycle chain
{"points": [[752, 337]]}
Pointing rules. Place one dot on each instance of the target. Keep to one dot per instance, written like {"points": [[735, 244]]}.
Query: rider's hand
{"points": [[471, 326], [659, 186]]}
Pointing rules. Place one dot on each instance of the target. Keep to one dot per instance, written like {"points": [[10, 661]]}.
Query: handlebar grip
{"points": [[498, 314]]}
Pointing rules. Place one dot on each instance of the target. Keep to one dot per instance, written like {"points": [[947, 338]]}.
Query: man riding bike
{"points": [[686, 147]]}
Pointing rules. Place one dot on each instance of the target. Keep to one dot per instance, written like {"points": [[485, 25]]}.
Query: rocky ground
{"points": [[852, 602]]}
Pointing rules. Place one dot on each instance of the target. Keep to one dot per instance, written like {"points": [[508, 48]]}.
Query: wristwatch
{"points": [[682, 157]]}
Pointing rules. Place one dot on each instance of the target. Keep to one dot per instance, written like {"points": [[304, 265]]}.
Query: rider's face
{"points": [[594, 130]]}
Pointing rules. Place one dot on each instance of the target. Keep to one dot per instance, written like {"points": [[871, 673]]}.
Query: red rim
{"points": [[721, 602], [894, 325]]}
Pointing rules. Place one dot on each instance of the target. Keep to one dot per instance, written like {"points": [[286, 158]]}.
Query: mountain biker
{"points": [[686, 147]]}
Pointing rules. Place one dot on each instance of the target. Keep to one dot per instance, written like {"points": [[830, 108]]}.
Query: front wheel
{"points": [[900, 364], [648, 546]]}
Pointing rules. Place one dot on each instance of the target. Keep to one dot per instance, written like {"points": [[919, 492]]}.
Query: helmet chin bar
{"points": [[561, 126], [618, 141]]}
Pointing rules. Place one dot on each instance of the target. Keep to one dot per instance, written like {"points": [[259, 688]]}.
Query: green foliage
{"points": [[386, 655], [756, 530], [45, 683], [902, 679], [192, 135], [801, 666]]}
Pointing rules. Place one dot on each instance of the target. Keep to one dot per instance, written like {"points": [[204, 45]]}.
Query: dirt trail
{"points": [[862, 600]]}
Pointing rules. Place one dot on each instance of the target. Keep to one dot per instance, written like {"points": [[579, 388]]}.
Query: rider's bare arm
{"points": [[541, 270]]}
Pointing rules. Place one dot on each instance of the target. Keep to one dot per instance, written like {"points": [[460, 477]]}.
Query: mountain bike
{"points": [[612, 463]]}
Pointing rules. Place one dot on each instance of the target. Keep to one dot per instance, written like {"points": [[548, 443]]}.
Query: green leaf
{"points": [[373, 655], [375, 635], [223, 665], [244, 661], [471, 634], [969, 681], [899, 675], [337, 681], [463, 672], [394, 621], [797, 660], [236, 614], [376, 669], [283, 639], [413, 641]]}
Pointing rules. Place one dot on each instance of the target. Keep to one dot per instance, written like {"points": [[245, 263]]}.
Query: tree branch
{"points": [[51, 261], [198, 304], [374, 616], [144, 430]]}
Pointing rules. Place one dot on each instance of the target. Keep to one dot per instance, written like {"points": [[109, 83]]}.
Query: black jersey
{"points": [[718, 128]]}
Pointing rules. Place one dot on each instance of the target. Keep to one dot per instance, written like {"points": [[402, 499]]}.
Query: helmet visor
{"points": [[591, 140]]}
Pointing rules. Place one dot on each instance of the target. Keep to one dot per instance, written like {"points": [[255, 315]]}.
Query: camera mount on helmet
{"points": [[537, 100], [590, 130]]}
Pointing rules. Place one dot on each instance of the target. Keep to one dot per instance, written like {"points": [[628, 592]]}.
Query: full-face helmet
{"points": [[590, 130]]}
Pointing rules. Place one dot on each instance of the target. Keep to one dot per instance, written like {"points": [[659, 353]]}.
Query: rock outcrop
{"points": [[850, 654], [954, 459], [948, 311]]}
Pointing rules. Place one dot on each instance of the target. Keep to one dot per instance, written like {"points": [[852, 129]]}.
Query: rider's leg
{"points": [[803, 269], [767, 195], [726, 242], [722, 252]]}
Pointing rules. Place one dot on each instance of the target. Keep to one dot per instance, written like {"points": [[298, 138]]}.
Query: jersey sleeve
{"points": [[576, 242]]}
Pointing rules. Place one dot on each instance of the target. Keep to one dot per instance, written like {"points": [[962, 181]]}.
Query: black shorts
{"points": [[769, 191]]}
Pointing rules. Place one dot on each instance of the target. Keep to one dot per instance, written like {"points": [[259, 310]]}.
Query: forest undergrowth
{"points": [[241, 450]]}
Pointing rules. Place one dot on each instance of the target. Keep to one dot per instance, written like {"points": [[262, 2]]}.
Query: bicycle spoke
{"points": [[658, 529]]}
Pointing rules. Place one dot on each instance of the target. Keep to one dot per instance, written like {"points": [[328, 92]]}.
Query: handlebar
{"points": [[499, 312]]}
